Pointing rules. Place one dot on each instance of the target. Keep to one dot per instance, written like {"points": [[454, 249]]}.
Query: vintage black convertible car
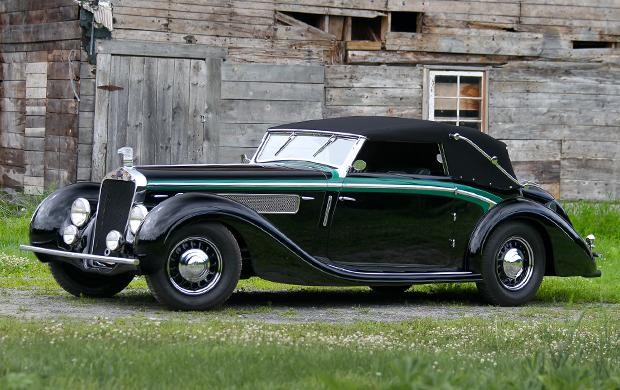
{"points": [[376, 201]]}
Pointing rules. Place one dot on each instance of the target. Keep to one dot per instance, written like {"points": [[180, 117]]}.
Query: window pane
{"points": [[445, 86], [473, 125], [471, 86], [448, 122], [445, 108], [469, 108]]}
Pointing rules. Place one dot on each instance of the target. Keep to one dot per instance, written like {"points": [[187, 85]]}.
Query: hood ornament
{"points": [[126, 153]]}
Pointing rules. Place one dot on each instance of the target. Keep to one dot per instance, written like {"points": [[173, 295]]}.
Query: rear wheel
{"points": [[513, 265], [391, 291], [201, 270], [80, 283]]}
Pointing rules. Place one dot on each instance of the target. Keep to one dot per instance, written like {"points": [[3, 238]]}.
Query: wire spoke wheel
{"points": [[514, 263], [200, 269], [194, 266]]}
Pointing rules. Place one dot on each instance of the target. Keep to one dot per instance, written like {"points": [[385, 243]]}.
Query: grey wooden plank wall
{"points": [[38, 110], [561, 122], [373, 90], [257, 96]]}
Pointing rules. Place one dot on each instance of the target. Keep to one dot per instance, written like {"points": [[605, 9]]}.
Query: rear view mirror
{"points": [[359, 165]]}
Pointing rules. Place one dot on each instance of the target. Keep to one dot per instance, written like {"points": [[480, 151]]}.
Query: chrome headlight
{"points": [[80, 212], [136, 216], [113, 240], [69, 234]]}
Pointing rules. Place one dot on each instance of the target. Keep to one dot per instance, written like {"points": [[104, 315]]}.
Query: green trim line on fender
{"points": [[482, 198]]}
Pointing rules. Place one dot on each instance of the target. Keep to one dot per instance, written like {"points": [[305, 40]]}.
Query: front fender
{"points": [[53, 211], [152, 238], [567, 253]]}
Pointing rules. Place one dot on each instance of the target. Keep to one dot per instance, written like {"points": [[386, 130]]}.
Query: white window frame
{"points": [[429, 111]]}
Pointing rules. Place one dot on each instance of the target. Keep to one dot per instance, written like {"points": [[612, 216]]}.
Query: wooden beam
{"points": [[254, 90], [310, 9], [273, 73], [41, 32], [171, 50], [416, 57]]}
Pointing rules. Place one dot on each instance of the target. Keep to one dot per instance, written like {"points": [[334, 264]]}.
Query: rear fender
{"points": [[567, 253]]}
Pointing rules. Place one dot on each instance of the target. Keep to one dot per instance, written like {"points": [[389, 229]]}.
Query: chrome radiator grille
{"points": [[115, 198], [267, 203]]}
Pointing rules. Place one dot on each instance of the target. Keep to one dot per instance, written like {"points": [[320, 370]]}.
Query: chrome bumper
{"points": [[74, 255]]}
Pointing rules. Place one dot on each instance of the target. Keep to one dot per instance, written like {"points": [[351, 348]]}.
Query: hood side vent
{"points": [[268, 203]]}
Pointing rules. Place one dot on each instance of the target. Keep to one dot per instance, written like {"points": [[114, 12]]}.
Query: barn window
{"points": [[366, 29], [405, 22], [314, 20], [458, 98]]}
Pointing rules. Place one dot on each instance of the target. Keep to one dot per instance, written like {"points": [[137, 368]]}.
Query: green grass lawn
{"points": [[460, 353], [541, 351]]}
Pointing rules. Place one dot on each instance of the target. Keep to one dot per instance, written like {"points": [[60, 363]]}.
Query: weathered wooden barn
{"points": [[200, 80]]}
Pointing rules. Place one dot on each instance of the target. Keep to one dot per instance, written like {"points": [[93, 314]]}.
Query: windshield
{"points": [[322, 148]]}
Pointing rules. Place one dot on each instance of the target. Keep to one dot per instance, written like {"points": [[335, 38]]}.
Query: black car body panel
{"points": [[568, 254], [420, 209]]}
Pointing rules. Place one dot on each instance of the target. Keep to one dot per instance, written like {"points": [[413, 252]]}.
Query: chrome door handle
{"points": [[343, 198]]}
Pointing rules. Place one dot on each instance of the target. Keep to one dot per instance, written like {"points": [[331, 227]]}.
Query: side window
{"points": [[402, 158]]}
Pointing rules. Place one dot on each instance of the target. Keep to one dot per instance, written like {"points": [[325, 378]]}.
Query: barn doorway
{"points": [[160, 99]]}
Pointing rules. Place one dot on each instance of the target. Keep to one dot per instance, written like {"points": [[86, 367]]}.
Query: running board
{"points": [[399, 277]]}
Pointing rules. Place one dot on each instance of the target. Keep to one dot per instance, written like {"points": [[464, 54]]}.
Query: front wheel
{"points": [[80, 283], [201, 270], [513, 264]]}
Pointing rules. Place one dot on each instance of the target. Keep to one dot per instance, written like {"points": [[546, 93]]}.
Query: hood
{"points": [[230, 171]]}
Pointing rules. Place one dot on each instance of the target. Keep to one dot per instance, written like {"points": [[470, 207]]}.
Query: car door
{"points": [[389, 222]]}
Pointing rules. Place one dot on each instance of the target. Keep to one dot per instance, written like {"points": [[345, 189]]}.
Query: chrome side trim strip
{"points": [[405, 274], [327, 208], [473, 195], [81, 256], [418, 187], [244, 184]]}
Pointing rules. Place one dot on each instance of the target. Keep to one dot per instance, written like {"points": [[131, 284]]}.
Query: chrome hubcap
{"points": [[514, 263], [194, 266]]}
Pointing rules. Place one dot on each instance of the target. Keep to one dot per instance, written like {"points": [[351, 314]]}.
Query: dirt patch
{"points": [[279, 307]]}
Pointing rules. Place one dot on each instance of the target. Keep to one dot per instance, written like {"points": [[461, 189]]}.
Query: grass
{"points": [[540, 349], [145, 353]]}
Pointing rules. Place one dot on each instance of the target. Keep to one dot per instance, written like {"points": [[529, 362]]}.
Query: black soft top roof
{"points": [[464, 162]]}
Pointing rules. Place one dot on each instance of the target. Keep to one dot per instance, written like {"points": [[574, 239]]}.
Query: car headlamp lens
{"points": [[69, 234], [113, 240], [80, 212], [136, 216]]}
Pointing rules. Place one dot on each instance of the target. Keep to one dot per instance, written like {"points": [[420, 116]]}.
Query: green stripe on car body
{"points": [[480, 197]]}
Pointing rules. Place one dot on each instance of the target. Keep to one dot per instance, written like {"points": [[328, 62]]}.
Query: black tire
{"points": [[80, 283], [391, 291], [513, 264], [216, 262]]}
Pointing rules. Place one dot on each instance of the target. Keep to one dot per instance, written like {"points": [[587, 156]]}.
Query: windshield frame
{"points": [[342, 169]]}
